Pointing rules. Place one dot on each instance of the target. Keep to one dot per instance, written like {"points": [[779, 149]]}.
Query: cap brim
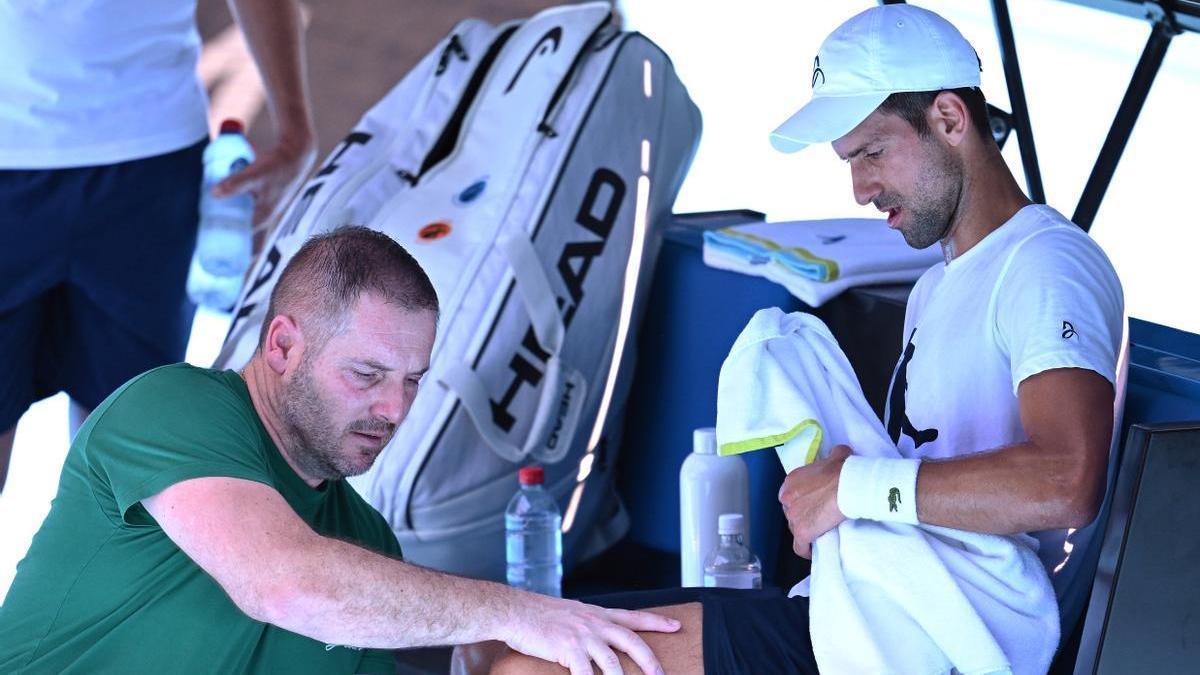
{"points": [[824, 119]]}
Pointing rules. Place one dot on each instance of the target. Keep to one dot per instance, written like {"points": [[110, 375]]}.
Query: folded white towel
{"points": [[818, 259], [885, 597]]}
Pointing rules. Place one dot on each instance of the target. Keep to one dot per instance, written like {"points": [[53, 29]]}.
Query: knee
{"points": [[516, 663]]}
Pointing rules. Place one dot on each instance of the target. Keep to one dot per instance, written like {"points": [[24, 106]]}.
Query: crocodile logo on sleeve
{"points": [[893, 499]]}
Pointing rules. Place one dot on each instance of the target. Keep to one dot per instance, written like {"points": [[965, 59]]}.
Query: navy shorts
{"points": [[754, 632], [93, 267]]}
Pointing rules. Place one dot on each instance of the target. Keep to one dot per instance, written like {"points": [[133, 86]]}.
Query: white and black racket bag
{"points": [[528, 167]]}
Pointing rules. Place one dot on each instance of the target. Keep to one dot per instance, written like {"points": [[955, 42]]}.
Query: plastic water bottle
{"points": [[533, 536], [709, 485], [223, 243], [219, 293], [732, 564]]}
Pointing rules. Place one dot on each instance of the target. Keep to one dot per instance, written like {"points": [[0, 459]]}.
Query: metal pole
{"points": [[1016, 96], [1122, 126]]}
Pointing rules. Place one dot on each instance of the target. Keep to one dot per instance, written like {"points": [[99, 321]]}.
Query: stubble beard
{"points": [[934, 204], [315, 446]]}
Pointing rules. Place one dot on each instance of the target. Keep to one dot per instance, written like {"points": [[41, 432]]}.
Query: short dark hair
{"points": [[331, 271], [911, 107]]}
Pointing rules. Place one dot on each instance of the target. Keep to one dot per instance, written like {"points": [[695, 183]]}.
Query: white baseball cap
{"points": [[882, 51]]}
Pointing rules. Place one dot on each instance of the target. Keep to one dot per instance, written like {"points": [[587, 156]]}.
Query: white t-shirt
{"points": [[1034, 295], [92, 82]]}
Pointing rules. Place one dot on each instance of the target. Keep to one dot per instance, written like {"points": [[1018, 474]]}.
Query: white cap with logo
{"points": [[882, 51]]}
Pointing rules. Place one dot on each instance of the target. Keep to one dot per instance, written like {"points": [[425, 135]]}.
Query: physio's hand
{"points": [[575, 635], [809, 498], [274, 173]]}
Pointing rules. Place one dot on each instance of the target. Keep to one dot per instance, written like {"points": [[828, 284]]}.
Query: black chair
{"points": [[1144, 611]]}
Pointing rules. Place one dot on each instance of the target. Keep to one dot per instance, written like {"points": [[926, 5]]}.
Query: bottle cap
{"points": [[232, 126], [729, 523], [531, 475], [704, 441]]}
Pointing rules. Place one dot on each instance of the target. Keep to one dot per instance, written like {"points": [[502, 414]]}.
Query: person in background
{"points": [[203, 522], [102, 126]]}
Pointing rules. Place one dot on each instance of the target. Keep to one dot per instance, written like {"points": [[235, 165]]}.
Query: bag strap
{"points": [[537, 296], [533, 287]]}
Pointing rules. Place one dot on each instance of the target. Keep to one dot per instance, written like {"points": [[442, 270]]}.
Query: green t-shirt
{"points": [[103, 589]]}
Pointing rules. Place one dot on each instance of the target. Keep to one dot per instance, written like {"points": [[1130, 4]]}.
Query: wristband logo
{"points": [[893, 499]]}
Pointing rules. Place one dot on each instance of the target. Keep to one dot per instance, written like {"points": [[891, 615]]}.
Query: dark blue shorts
{"points": [[93, 264], [756, 632]]}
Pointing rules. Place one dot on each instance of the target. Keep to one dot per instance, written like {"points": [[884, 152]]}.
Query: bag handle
{"points": [[538, 298]]}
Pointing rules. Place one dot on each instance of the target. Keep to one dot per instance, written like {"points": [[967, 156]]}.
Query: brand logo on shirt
{"points": [[817, 71], [898, 422], [893, 499], [330, 648], [1068, 331]]}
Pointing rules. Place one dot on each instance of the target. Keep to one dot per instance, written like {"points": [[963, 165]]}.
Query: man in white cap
{"points": [[1002, 399]]}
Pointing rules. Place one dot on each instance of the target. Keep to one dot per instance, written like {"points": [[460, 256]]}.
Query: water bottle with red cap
{"points": [[533, 536], [224, 238]]}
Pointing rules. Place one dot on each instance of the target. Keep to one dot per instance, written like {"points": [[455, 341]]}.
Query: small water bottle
{"points": [[709, 485], [533, 536], [731, 564], [224, 239]]}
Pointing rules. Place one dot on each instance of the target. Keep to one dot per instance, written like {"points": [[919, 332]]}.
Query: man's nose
{"points": [[865, 185], [393, 404]]}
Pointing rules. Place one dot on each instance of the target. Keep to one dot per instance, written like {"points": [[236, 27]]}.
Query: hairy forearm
{"points": [[274, 32], [340, 593], [1017, 488]]}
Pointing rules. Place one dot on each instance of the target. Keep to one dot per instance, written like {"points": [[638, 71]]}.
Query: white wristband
{"points": [[879, 488]]}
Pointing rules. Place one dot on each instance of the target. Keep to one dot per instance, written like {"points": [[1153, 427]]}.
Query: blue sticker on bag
{"points": [[472, 192]]}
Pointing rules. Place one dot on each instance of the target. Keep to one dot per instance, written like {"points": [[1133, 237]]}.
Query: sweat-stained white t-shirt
{"points": [[1034, 295], [93, 82]]}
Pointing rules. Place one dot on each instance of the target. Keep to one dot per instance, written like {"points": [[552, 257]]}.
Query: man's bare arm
{"points": [[274, 33], [1054, 480], [278, 570]]}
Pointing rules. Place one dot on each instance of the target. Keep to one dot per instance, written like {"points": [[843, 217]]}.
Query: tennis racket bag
{"points": [[528, 167]]}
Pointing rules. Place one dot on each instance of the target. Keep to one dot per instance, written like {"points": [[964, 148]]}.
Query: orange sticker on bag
{"points": [[434, 231]]}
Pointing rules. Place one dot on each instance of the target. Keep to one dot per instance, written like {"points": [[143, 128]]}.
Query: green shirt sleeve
{"points": [[169, 425]]}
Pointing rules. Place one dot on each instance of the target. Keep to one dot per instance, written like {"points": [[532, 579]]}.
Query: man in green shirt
{"points": [[203, 523]]}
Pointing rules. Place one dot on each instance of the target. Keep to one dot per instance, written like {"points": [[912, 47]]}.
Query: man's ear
{"points": [[948, 118], [284, 344]]}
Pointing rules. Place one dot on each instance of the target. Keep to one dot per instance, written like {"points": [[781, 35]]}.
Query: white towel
{"points": [[884, 597], [818, 259]]}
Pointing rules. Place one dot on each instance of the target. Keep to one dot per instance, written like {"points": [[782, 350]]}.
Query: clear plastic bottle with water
{"points": [[731, 564], [533, 536], [225, 236], [219, 293]]}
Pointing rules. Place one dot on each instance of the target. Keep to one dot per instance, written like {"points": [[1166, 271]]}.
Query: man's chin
{"points": [[919, 241], [360, 459]]}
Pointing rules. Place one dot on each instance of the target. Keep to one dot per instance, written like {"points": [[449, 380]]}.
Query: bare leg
{"points": [[78, 415], [475, 659], [679, 652], [6, 446]]}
